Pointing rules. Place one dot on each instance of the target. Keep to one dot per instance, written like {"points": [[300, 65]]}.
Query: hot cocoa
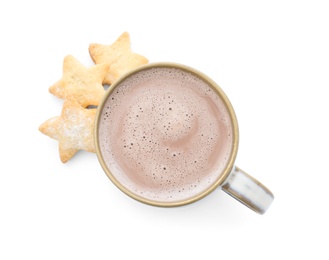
{"points": [[165, 134]]}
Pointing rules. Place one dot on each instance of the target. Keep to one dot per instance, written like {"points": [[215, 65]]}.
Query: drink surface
{"points": [[165, 134]]}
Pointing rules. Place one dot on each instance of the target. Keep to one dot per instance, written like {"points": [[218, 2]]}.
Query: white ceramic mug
{"points": [[230, 178]]}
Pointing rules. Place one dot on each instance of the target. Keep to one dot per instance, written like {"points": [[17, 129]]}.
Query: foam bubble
{"points": [[165, 138]]}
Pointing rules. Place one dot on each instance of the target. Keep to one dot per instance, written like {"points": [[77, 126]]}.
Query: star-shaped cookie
{"points": [[85, 84], [118, 55], [73, 129]]}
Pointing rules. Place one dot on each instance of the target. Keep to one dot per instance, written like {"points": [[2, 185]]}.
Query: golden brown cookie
{"points": [[118, 55], [73, 129], [85, 84]]}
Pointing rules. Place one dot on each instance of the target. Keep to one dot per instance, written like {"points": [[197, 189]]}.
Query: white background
{"points": [[272, 60]]}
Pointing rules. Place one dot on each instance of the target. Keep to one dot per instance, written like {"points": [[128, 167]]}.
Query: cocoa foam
{"points": [[165, 134]]}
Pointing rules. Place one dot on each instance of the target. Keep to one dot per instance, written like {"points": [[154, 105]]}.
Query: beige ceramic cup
{"points": [[231, 179]]}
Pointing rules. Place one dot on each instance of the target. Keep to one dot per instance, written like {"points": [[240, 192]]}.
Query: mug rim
{"points": [[224, 174]]}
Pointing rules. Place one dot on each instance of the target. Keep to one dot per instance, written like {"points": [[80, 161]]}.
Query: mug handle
{"points": [[248, 191]]}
